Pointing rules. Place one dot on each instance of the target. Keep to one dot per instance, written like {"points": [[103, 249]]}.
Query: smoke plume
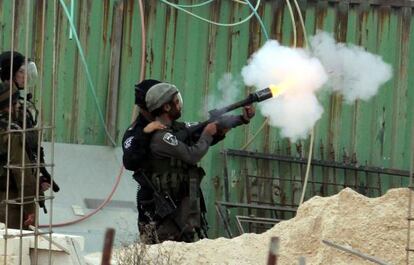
{"points": [[352, 71], [229, 88], [297, 109]]}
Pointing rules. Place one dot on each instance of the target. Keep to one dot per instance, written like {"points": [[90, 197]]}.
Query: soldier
{"points": [[179, 209], [21, 184], [17, 73], [135, 147]]}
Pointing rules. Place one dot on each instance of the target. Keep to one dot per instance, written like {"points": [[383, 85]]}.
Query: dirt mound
{"points": [[377, 227]]}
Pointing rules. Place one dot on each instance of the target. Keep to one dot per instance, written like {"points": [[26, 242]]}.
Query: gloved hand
{"points": [[248, 113]]}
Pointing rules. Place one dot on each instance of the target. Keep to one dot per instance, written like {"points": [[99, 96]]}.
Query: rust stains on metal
{"points": [[128, 13], [321, 12], [335, 104], [392, 3], [299, 30], [341, 23], [105, 19], [170, 22], [212, 38], [254, 40], [38, 30], [276, 25], [381, 132], [88, 10], [363, 12], [19, 18], [384, 19]]}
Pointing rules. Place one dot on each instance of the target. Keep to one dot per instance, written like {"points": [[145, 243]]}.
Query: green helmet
{"points": [[160, 94]]}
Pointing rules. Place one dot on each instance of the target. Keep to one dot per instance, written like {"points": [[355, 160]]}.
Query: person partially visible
{"points": [[135, 147], [135, 142], [22, 182], [178, 205], [18, 71], [136, 153]]}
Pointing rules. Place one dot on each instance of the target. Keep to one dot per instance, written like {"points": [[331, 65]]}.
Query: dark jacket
{"points": [[135, 145]]}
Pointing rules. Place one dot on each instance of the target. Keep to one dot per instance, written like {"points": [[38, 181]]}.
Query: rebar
{"points": [[107, 249], [355, 252], [273, 251]]}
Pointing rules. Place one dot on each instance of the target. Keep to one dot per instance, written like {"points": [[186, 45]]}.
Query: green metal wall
{"points": [[194, 55]]}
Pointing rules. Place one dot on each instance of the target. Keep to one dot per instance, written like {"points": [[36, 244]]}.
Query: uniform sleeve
{"points": [[165, 144], [230, 121]]}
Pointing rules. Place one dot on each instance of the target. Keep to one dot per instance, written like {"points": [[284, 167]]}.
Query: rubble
{"points": [[373, 226]]}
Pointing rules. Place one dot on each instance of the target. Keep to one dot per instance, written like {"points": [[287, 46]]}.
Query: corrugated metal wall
{"points": [[194, 55]]}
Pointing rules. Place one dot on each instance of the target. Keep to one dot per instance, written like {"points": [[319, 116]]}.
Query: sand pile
{"points": [[376, 227]]}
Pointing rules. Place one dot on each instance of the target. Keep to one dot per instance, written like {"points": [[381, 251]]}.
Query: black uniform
{"points": [[136, 148]]}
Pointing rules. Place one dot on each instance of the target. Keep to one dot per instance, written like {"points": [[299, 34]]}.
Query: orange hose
{"points": [[118, 179]]}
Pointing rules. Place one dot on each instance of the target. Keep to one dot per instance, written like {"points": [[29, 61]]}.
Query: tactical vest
{"points": [[181, 181]]}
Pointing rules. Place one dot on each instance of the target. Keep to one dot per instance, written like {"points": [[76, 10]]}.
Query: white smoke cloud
{"points": [[229, 88], [297, 109], [352, 71]]}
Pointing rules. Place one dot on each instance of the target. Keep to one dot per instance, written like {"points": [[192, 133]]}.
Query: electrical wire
{"points": [[88, 75], [292, 18], [302, 22], [118, 178], [134, 113], [312, 135], [102, 205], [195, 5], [210, 21], [258, 18]]}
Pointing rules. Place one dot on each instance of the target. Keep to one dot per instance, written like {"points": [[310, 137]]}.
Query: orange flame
{"points": [[279, 89]]}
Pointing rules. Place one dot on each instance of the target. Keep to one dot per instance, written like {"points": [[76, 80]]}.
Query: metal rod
{"points": [[256, 206], [226, 177], [316, 182], [23, 175], [315, 162], [224, 220], [107, 249], [25, 234], [13, 19], [355, 252], [53, 117], [43, 234], [391, 3], [273, 251], [34, 129], [410, 199], [27, 166]]}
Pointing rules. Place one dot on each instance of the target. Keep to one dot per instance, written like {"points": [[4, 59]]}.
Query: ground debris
{"points": [[373, 226]]}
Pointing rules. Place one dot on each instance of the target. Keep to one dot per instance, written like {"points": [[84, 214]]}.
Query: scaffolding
{"points": [[29, 165], [410, 216]]}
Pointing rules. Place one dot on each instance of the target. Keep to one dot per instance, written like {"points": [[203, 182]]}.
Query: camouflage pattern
{"points": [[22, 182]]}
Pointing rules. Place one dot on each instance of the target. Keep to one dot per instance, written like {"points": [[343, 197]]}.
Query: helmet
{"points": [[18, 63], [141, 90], [5, 62], [5, 94], [160, 94]]}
